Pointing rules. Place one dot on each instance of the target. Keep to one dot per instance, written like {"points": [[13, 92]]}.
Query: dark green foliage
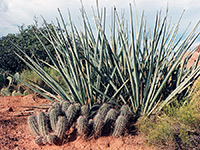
{"points": [[27, 41], [120, 126], [61, 127], [38, 141], [32, 122], [82, 125], [2, 79], [42, 123]]}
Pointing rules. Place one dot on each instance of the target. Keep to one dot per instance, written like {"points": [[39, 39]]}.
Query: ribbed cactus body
{"points": [[42, 124], [104, 109], [72, 114], [120, 125], [44, 140], [111, 115], [52, 139], [78, 107], [61, 127], [57, 106], [82, 125], [85, 110], [53, 116], [110, 118], [125, 111], [98, 125], [38, 140], [32, 122], [64, 106]]}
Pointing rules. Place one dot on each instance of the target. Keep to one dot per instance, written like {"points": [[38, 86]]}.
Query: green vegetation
{"points": [[178, 126], [143, 70], [134, 72], [28, 42]]}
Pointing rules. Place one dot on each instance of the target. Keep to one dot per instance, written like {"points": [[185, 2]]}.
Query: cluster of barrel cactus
{"points": [[50, 127]]}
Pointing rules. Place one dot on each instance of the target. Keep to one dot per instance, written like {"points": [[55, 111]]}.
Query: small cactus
{"points": [[53, 116], [98, 125], [110, 118], [104, 109], [61, 127], [32, 122], [38, 141], [91, 123], [85, 110], [72, 114], [120, 125], [125, 111], [64, 106], [42, 123], [57, 106], [44, 140], [111, 115], [52, 139], [82, 125]]}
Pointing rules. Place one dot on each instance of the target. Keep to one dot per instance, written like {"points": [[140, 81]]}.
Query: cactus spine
{"points": [[38, 141], [57, 106], [120, 125], [52, 139], [82, 125], [125, 111], [110, 118], [44, 140], [85, 110], [32, 122], [71, 114], [64, 106], [104, 109], [42, 123], [61, 127], [98, 125]]}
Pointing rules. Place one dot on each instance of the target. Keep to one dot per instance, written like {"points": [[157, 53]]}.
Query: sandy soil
{"points": [[15, 133]]}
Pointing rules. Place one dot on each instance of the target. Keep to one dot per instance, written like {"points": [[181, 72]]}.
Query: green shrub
{"points": [[30, 77], [160, 132], [177, 126]]}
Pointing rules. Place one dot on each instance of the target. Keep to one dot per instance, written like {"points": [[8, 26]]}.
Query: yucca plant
{"points": [[133, 66]]}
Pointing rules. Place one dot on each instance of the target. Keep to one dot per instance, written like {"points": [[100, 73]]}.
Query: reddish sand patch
{"points": [[15, 133]]}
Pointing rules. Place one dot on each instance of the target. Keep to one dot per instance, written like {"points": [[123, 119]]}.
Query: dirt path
{"points": [[15, 133]]}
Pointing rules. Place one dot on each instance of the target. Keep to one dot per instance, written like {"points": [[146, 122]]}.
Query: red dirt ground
{"points": [[16, 135]]}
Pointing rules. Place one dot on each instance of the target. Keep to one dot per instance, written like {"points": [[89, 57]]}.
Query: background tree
{"points": [[28, 42]]}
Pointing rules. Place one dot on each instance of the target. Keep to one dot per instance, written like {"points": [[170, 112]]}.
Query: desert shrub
{"points": [[31, 77], [159, 132], [177, 127]]}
